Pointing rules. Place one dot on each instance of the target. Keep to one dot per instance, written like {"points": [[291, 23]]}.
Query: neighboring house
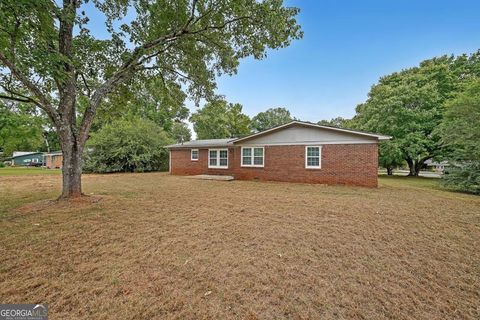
{"points": [[54, 160], [296, 152], [23, 159], [436, 166], [22, 153]]}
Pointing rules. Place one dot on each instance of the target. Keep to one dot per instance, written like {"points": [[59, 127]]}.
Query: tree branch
{"points": [[89, 92], [166, 86], [226, 23], [181, 75], [203, 16], [96, 99], [131, 65], [142, 60], [18, 99], [42, 102], [425, 158], [20, 95], [14, 37], [67, 89], [192, 14]]}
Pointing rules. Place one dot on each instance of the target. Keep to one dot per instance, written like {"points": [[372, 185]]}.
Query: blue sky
{"points": [[347, 46]]}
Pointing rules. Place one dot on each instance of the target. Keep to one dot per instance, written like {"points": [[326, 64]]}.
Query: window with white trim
{"points": [[253, 156], [194, 155], [218, 158], [313, 157]]}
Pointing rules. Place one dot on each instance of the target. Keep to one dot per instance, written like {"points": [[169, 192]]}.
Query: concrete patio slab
{"points": [[212, 177]]}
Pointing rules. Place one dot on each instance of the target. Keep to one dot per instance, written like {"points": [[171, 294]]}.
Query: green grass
{"points": [[27, 171], [416, 182]]}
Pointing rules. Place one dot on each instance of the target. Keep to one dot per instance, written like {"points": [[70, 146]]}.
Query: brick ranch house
{"points": [[294, 152]]}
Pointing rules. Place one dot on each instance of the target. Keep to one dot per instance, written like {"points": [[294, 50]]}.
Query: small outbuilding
{"points": [[54, 160], [295, 152]]}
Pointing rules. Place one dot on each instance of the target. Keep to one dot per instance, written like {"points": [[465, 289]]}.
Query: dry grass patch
{"points": [[163, 247]]}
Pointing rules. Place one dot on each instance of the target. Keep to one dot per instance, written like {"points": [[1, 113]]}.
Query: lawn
{"points": [[154, 246], [27, 171]]}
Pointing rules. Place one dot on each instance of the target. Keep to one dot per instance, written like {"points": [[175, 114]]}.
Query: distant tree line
{"points": [[432, 112], [23, 127], [219, 119]]}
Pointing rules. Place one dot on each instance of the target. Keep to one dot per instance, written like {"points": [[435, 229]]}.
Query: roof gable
{"points": [[26, 154], [297, 132]]}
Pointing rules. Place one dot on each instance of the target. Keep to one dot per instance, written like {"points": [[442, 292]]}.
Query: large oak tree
{"points": [[409, 105], [49, 57]]}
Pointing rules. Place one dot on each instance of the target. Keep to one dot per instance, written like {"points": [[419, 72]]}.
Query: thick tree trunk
{"points": [[389, 171], [418, 167], [72, 174], [72, 165], [412, 166]]}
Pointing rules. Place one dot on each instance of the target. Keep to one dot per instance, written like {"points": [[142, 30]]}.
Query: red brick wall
{"points": [[349, 164], [53, 162], [182, 165]]}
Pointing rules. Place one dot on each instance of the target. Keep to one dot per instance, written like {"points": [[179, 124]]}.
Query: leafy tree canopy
{"points": [[219, 119], [49, 57], [460, 129], [338, 122], [409, 105], [133, 145], [147, 99], [390, 156], [460, 136], [271, 118], [180, 132], [20, 128]]}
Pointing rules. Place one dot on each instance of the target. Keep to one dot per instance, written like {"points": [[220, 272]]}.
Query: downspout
{"points": [[169, 161]]}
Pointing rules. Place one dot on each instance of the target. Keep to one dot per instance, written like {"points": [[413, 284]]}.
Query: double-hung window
{"points": [[253, 156], [313, 157], [194, 155], [218, 158]]}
